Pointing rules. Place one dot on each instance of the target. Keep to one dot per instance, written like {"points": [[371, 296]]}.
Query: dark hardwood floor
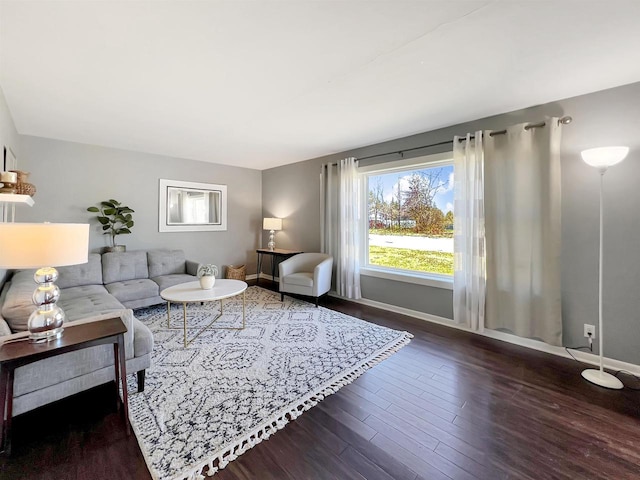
{"points": [[450, 405]]}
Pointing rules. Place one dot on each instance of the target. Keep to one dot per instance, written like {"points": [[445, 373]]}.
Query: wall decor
{"points": [[9, 159], [192, 206]]}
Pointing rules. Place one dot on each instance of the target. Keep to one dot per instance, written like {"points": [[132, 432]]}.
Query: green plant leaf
{"points": [[115, 218]]}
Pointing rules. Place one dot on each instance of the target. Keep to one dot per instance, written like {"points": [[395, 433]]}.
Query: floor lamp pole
{"points": [[600, 377]]}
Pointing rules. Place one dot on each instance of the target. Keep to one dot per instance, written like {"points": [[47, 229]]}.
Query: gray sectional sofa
{"points": [[111, 284]]}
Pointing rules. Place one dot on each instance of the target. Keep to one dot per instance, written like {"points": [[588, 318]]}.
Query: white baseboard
{"points": [[253, 276], [585, 357], [267, 277]]}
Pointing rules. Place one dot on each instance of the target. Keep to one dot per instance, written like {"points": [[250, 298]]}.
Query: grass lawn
{"points": [[408, 232], [419, 260]]}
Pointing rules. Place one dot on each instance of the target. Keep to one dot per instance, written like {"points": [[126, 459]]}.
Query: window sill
{"points": [[438, 281]]}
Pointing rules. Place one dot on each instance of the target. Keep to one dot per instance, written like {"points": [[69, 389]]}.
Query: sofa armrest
{"points": [[142, 339], [322, 277], [4, 328], [192, 267]]}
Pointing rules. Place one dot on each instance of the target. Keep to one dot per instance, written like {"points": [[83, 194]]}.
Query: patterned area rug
{"points": [[231, 389]]}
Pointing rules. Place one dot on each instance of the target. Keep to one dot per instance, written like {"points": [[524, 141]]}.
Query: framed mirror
{"points": [[192, 206]]}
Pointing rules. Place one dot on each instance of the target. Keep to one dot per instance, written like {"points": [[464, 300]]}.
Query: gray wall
{"points": [[70, 177], [603, 118], [9, 139]]}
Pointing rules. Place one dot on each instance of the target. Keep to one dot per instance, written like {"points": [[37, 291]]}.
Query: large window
{"points": [[410, 217]]}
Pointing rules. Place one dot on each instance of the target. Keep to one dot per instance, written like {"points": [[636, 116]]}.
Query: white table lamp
{"points": [[602, 158], [272, 224], [44, 246]]}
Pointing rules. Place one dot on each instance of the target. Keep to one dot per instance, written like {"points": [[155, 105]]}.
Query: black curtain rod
{"points": [[561, 121]]}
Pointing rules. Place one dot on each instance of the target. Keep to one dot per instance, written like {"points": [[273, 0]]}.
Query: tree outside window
{"points": [[411, 219]]}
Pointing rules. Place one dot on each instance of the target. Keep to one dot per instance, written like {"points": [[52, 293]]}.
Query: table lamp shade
{"points": [[35, 245], [272, 224]]}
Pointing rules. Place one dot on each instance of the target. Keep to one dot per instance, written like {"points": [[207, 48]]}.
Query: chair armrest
{"points": [[192, 267], [322, 277]]}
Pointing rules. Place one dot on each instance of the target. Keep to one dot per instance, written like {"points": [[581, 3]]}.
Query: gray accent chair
{"points": [[306, 274]]}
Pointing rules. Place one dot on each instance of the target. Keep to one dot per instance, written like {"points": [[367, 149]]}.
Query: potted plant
{"points": [[207, 275], [115, 219]]}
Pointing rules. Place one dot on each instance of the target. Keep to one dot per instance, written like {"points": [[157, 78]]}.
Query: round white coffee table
{"points": [[192, 292]]}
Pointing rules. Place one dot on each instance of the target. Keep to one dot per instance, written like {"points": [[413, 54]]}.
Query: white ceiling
{"points": [[266, 83]]}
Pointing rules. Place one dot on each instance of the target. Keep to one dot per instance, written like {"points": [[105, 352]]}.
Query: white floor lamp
{"points": [[602, 158]]}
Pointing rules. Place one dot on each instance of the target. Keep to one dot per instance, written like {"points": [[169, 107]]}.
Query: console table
{"points": [[275, 254], [19, 352]]}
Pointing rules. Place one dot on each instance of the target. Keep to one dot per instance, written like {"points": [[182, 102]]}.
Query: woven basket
{"points": [[25, 189], [236, 273]]}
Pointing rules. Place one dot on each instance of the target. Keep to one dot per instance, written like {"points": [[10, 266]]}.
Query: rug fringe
{"points": [[220, 460]]}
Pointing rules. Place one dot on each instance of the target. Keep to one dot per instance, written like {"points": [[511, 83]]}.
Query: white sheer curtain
{"points": [[341, 199], [469, 262], [522, 218]]}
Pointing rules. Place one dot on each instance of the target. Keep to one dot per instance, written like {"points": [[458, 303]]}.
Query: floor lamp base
{"points": [[603, 379]]}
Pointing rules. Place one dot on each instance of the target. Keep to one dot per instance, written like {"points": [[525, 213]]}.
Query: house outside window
{"points": [[409, 220]]}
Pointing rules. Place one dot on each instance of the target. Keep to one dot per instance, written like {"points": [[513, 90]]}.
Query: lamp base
{"points": [[603, 379], [272, 241], [45, 322], [46, 336]]}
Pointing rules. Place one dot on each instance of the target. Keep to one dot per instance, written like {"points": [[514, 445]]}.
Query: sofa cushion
{"points": [[18, 305], [89, 273], [133, 289], [166, 281], [303, 279], [121, 266], [82, 291], [165, 262], [90, 305]]}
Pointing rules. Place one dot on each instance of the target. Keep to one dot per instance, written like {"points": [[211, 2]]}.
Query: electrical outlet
{"points": [[589, 329]]}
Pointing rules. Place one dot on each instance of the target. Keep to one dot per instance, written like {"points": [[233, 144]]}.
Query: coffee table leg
{"points": [[243, 309], [168, 314], [184, 319]]}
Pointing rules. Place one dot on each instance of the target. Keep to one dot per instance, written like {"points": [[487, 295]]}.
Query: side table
{"points": [[15, 354], [275, 253]]}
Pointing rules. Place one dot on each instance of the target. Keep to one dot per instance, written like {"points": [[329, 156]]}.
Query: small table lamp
{"points": [[44, 246], [272, 224]]}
